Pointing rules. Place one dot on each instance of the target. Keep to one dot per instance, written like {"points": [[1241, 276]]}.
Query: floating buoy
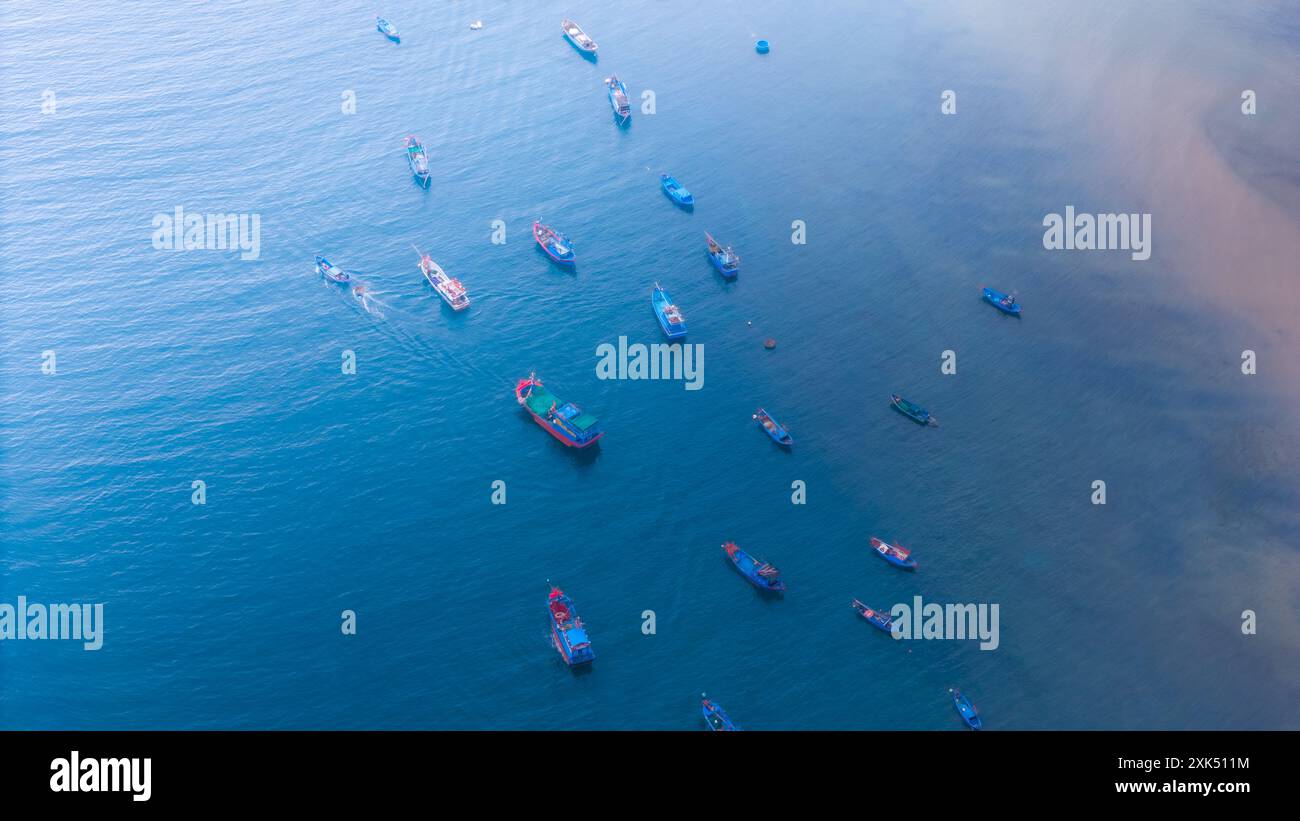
{"points": [[761, 47], [770, 343], [749, 322]]}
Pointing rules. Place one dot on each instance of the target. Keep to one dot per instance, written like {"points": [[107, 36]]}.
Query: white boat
{"points": [[578, 37], [449, 288]]}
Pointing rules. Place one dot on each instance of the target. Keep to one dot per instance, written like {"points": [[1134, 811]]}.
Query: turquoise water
{"points": [[371, 492]]}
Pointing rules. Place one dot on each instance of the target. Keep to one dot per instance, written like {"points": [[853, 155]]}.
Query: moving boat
{"points": [[966, 709], [568, 631], [555, 244], [717, 720], [331, 272], [618, 98], [676, 192], [759, 573], [726, 260], [774, 429], [387, 29], [882, 621], [450, 289], [418, 159], [563, 420], [575, 35], [1003, 302], [670, 316], [913, 411], [896, 555]]}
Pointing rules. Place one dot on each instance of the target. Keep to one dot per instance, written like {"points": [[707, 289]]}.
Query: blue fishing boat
{"points": [[894, 554], [576, 36], [567, 630], [670, 316], [331, 272], [387, 29], [716, 718], [676, 192], [966, 709], [618, 99], [417, 159], [773, 428], [1003, 302], [879, 620], [726, 260], [759, 573], [913, 411], [555, 244]]}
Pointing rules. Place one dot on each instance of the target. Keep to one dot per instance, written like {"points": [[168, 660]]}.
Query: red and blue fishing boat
{"points": [[894, 554], [913, 411], [564, 420], [670, 316], [567, 630], [879, 620], [555, 244], [773, 428], [717, 718], [759, 573], [1006, 303], [331, 272], [966, 710], [726, 260]]}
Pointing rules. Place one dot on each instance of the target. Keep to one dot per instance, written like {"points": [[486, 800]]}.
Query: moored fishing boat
{"points": [[567, 630], [759, 573], [575, 35], [618, 98], [879, 620], [726, 260], [387, 29], [556, 245], [966, 710], [913, 411], [896, 555], [676, 192], [1006, 303], [563, 420], [418, 159], [773, 428], [670, 316], [331, 272], [449, 288], [716, 717]]}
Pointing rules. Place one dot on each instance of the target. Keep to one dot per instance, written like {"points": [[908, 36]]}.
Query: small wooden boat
{"points": [[879, 620], [618, 98], [966, 710], [1005, 303], [726, 260], [555, 244], [418, 159], [773, 428], [676, 192], [913, 411], [450, 289], [575, 35], [896, 555], [716, 718], [331, 272], [387, 29], [670, 316], [761, 574]]}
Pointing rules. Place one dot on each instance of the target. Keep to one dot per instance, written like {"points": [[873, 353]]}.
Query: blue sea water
{"points": [[372, 492]]}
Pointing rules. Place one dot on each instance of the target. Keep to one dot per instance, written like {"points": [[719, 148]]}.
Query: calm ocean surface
{"points": [[371, 492]]}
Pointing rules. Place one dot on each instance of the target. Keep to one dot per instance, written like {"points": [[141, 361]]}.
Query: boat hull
{"points": [[562, 626], [777, 433], [879, 547], [878, 620], [524, 391], [546, 242], [966, 710], [680, 196], [917, 414], [659, 301], [748, 566], [995, 298], [331, 272], [716, 718]]}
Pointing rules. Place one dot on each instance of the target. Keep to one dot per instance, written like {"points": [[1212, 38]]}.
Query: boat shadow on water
{"points": [[590, 56]]}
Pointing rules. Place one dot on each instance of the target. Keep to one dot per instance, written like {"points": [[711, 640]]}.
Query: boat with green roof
{"points": [[564, 420]]}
